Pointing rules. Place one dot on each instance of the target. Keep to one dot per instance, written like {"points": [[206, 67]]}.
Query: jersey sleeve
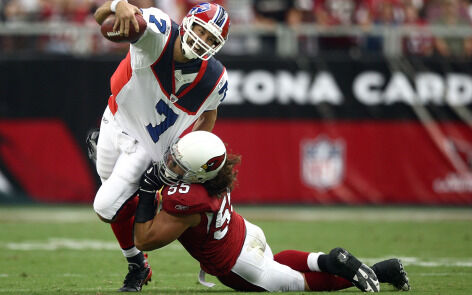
{"points": [[188, 199], [149, 47], [219, 93]]}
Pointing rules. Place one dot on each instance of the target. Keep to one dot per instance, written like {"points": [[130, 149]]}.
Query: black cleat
{"points": [[349, 267], [138, 275], [92, 139], [391, 271]]}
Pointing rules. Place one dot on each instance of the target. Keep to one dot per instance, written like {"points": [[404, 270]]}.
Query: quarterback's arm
{"points": [[162, 230], [206, 121], [102, 12], [124, 15]]}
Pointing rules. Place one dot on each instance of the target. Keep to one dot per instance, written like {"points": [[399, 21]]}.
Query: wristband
{"points": [[147, 206], [114, 3]]}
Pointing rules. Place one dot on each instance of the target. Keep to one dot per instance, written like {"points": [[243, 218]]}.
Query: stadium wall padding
{"points": [[320, 131]]}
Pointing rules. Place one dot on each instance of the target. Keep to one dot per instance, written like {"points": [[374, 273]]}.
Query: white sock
{"points": [[130, 252], [312, 261]]}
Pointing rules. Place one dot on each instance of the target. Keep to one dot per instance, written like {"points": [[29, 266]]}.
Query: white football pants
{"points": [[121, 161], [256, 265]]}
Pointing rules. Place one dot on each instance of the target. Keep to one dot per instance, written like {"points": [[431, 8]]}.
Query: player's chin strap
{"points": [[201, 279]]}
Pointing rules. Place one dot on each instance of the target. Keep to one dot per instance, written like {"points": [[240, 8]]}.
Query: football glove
{"points": [[150, 182], [149, 185]]}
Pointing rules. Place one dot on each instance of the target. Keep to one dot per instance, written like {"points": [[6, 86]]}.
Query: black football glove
{"points": [[149, 185], [150, 182]]}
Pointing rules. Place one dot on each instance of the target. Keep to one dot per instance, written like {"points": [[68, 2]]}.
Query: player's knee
{"points": [[101, 208], [104, 219]]}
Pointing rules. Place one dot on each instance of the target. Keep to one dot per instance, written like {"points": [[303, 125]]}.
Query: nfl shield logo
{"points": [[322, 162]]}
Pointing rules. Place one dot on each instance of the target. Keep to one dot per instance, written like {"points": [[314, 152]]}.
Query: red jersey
{"points": [[217, 241]]}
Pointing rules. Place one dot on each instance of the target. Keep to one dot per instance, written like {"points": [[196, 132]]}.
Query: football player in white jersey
{"points": [[168, 81]]}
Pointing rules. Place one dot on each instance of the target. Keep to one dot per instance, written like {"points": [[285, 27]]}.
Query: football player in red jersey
{"points": [[196, 210], [169, 81]]}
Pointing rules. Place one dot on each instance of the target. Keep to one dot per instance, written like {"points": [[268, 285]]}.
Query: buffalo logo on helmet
{"points": [[202, 7], [214, 13], [213, 163]]}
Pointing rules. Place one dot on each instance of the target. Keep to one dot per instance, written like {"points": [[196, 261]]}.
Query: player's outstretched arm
{"points": [[102, 12], [151, 230], [124, 16], [162, 230]]}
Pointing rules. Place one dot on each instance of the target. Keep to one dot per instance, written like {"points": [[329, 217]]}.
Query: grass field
{"points": [[66, 250]]}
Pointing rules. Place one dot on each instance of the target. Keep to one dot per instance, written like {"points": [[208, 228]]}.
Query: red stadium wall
{"points": [[45, 162], [293, 161], [284, 161], [321, 130]]}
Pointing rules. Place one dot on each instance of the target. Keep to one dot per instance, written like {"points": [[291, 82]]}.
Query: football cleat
{"points": [[391, 271], [349, 267], [92, 139], [138, 275]]}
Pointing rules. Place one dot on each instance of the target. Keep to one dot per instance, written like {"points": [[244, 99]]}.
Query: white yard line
{"points": [[434, 262], [35, 291], [47, 214], [441, 274], [53, 244]]}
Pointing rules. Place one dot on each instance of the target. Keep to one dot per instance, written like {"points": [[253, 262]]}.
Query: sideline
{"points": [[72, 214], [347, 213]]}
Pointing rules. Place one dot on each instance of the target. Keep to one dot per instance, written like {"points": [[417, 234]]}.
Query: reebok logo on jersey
{"points": [[181, 207]]}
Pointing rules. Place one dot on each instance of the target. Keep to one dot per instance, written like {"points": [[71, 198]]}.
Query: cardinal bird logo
{"points": [[213, 163]]}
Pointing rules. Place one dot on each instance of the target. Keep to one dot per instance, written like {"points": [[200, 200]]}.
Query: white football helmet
{"points": [[214, 19], [194, 158]]}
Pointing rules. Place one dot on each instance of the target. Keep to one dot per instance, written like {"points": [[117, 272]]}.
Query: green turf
{"points": [[42, 249]]}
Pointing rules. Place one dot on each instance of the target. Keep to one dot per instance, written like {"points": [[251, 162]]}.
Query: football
{"points": [[107, 30]]}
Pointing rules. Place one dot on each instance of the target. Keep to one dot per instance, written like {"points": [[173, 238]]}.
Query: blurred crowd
{"points": [[366, 14]]}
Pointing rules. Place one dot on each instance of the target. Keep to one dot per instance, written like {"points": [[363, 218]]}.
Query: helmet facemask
{"points": [[195, 158], [191, 51], [168, 167]]}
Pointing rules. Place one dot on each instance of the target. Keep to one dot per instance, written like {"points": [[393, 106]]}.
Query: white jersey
{"points": [[147, 100]]}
